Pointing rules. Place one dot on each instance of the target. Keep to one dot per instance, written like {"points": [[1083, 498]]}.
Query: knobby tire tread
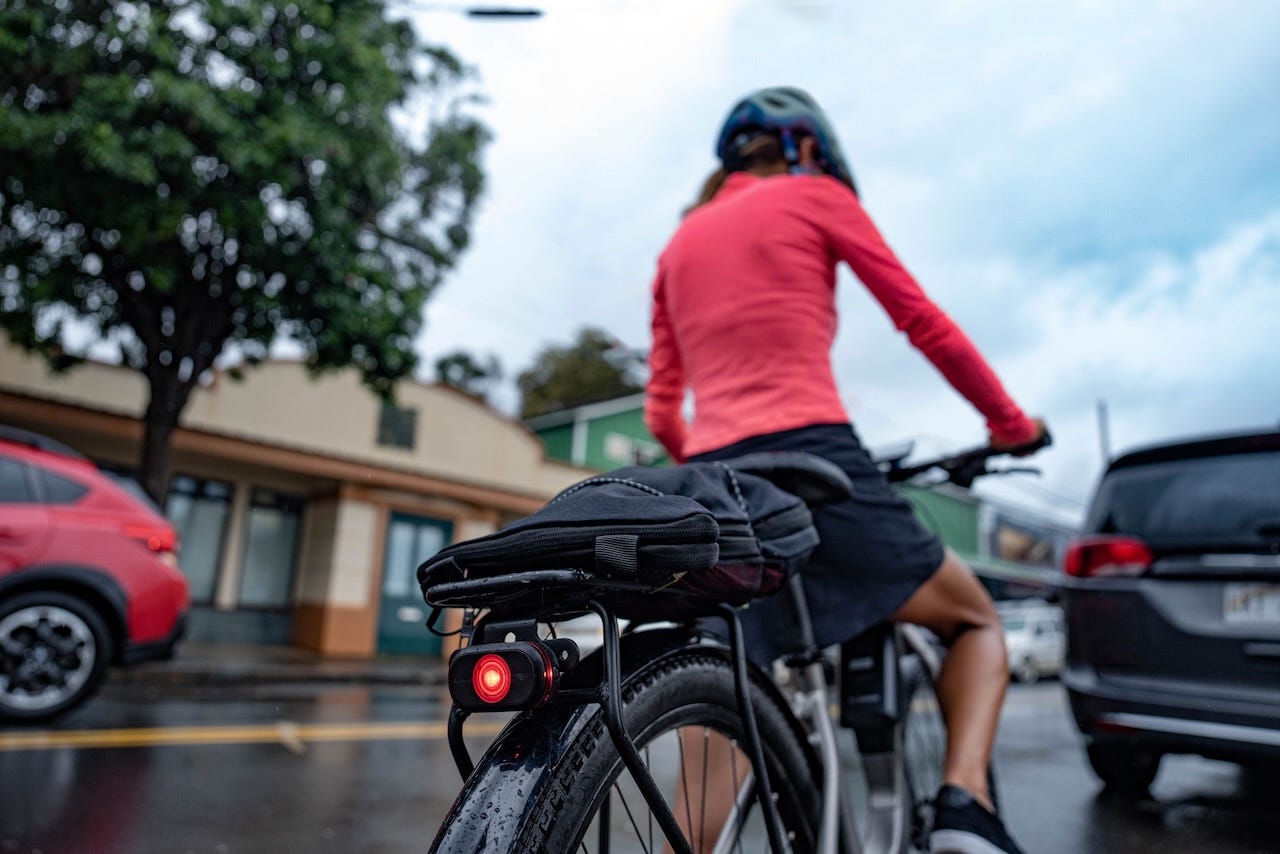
{"points": [[565, 797]]}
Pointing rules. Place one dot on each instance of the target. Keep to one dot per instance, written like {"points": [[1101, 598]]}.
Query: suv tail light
{"points": [[1097, 557], [161, 540]]}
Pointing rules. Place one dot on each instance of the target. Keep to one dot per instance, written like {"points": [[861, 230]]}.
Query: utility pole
{"points": [[1104, 431]]}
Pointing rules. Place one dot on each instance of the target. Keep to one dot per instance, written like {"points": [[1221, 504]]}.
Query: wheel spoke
{"points": [[649, 767], [733, 764], [67, 644], [702, 817], [627, 807], [12, 648], [23, 676], [684, 779], [44, 631]]}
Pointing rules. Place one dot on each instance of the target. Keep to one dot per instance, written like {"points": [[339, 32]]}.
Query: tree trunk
{"points": [[163, 408]]}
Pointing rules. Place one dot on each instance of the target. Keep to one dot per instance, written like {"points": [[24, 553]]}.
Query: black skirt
{"points": [[874, 554]]}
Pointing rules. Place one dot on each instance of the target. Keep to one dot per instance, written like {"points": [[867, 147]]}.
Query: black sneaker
{"points": [[961, 825]]}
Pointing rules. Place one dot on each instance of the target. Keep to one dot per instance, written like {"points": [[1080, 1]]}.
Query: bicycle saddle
{"points": [[806, 476]]}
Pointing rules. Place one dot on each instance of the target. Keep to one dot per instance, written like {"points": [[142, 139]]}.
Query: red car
{"points": [[88, 577]]}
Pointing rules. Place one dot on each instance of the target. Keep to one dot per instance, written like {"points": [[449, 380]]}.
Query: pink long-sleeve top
{"points": [[744, 314]]}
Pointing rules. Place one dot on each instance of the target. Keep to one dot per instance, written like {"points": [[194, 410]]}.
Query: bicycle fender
{"points": [[496, 801]]}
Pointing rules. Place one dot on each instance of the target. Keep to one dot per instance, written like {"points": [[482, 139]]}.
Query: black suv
{"points": [[1173, 608]]}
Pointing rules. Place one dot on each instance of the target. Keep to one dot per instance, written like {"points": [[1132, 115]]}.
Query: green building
{"points": [[606, 435]]}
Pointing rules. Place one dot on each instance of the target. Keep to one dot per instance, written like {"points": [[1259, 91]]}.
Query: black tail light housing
{"points": [[491, 677]]}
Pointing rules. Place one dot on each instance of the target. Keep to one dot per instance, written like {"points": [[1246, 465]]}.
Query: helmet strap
{"points": [[790, 151]]}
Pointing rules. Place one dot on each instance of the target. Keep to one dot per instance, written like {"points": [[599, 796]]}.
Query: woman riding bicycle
{"points": [[744, 315]]}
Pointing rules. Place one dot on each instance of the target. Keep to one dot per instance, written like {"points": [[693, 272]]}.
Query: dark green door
{"points": [[402, 615]]}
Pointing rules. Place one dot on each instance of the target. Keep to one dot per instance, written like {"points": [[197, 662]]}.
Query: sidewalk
{"points": [[204, 663]]}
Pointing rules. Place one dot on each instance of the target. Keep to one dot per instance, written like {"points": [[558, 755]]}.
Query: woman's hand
{"points": [[1025, 447]]}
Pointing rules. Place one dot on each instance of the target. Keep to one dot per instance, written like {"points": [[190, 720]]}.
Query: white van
{"points": [[1034, 637]]}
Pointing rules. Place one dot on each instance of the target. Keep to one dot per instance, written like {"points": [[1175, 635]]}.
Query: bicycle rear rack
{"points": [[521, 591]]}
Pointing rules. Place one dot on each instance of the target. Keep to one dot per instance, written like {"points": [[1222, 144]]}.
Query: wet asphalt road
{"points": [[376, 788]]}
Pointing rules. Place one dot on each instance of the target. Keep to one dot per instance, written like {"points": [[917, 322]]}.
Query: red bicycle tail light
{"points": [[495, 676], [1098, 557], [491, 679]]}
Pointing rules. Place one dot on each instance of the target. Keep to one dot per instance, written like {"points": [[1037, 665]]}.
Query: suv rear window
{"points": [[1227, 501]]}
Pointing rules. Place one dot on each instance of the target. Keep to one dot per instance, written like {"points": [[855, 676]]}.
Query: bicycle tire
{"points": [[924, 747], [690, 686]]}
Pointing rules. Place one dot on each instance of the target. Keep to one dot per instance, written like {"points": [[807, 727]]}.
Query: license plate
{"points": [[1251, 603]]}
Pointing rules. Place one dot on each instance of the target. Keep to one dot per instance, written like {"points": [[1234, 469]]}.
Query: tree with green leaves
{"points": [[472, 376], [203, 177], [593, 368]]}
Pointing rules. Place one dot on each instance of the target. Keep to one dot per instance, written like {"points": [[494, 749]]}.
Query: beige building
{"points": [[304, 504]]}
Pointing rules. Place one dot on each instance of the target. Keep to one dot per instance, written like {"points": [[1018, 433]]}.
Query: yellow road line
{"points": [[284, 732]]}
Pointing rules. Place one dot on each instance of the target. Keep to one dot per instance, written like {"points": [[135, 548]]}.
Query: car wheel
{"points": [[1123, 769], [54, 650], [1026, 672]]}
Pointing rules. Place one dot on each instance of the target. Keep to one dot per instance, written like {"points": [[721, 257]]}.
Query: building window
{"points": [[271, 545], [397, 427], [199, 510]]}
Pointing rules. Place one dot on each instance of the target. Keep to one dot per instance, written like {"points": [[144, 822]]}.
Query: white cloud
{"points": [[1187, 346], [1089, 188]]}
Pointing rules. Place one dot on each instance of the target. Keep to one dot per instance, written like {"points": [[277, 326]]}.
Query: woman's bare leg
{"points": [[975, 673]]}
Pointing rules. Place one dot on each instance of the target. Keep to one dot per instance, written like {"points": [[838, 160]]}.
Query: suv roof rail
{"points": [[40, 442]]}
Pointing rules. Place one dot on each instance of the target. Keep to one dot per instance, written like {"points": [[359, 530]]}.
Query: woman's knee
{"points": [[951, 602]]}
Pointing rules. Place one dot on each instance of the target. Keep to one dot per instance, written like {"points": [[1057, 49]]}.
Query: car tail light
{"points": [[498, 676], [161, 540], [1097, 557]]}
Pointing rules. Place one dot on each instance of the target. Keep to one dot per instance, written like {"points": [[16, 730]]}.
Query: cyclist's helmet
{"points": [[788, 113]]}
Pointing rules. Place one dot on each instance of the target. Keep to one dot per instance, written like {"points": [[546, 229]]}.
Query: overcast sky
{"points": [[1091, 189]]}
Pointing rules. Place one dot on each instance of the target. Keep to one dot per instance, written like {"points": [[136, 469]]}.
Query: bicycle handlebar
{"points": [[965, 467]]}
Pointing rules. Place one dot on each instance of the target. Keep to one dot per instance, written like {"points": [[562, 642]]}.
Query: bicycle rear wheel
{"points": [[583, 800], [924, 747]]}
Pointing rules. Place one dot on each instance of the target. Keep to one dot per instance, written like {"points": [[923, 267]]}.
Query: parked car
{"points": [[1173, 609], [88, 577], [1034, 638]]}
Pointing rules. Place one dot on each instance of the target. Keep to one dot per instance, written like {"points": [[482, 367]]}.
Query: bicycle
{"points": [[552, 780]]}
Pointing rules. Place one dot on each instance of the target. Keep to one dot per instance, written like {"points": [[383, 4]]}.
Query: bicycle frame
{"points": [[870, 704], [871, 697]]}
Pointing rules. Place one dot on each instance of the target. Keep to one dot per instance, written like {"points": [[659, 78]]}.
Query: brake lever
{"points": [[965, 472]]}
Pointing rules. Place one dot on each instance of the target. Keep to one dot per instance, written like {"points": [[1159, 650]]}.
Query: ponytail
{"points": [[762, 154]]}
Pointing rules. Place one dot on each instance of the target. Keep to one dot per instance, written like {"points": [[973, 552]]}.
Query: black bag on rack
{"points": [[703, 529]]}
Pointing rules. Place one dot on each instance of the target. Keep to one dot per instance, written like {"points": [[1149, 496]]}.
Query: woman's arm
{"points": [[857, 241], [664, 393]]}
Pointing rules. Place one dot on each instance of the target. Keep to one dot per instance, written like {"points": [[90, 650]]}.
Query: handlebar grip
{"points": [[1045, 440]]}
